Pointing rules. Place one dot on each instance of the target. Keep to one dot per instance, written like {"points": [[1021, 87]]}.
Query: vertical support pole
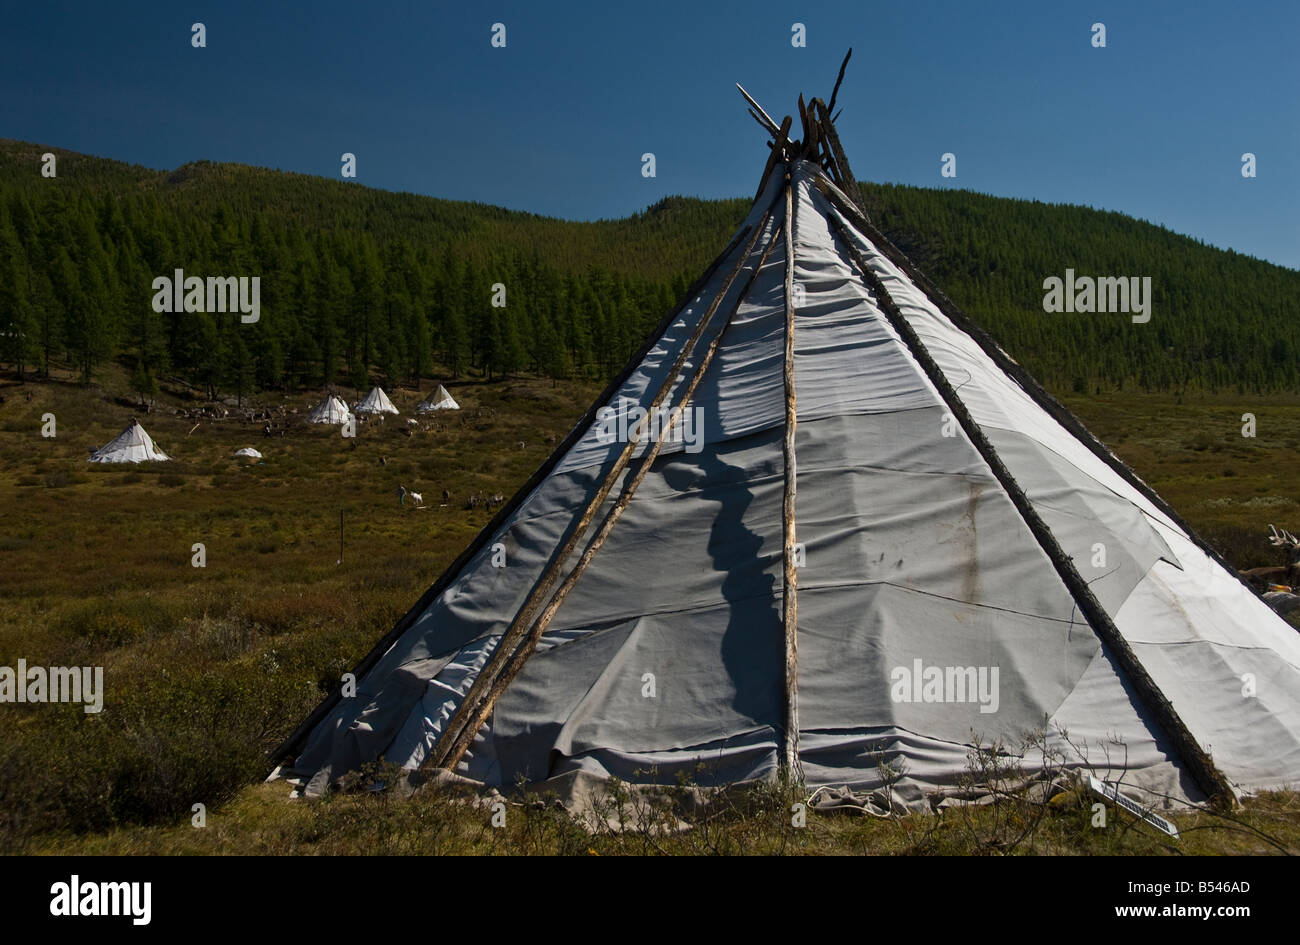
{"points": [[1199, 763], [790, 601]]}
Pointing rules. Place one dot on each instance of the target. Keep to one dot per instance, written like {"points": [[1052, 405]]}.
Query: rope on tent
{"points": [[1039, 394], [477, 704], [790, 590], [287, 749], [1202, 768]]}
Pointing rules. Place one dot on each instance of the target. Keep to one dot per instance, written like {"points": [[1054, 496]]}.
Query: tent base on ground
{"points": [[132, 445], [438, 400]]}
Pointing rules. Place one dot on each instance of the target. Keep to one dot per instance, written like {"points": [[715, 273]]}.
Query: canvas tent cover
{"points": [[376, 402], [132, 445], [917, 566], [329, 410], [438, 400]]}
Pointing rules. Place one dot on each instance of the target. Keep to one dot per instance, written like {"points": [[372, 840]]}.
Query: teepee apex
{"points": [[820, 143]]}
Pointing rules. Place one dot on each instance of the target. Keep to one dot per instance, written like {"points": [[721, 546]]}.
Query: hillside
{"points": [[354, 278]]}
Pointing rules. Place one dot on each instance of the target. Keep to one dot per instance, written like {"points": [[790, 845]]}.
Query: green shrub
{"points": [[105, 625]]}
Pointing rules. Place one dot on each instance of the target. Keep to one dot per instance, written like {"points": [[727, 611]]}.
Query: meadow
{"points": [[209, 668]]}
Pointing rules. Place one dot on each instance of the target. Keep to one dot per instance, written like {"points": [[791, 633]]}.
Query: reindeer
{"points": [[495, 500], [1268, 579], [416, 499]]}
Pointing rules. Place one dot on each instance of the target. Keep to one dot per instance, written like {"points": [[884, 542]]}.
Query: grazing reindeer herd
{"points": [[477, 500], [1278, 584]]}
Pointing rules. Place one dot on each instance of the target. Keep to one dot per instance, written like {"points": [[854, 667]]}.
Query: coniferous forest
{"points": [[356, 280]]}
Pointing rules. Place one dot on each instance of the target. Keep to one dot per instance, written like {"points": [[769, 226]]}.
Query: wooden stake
{"points": [[790, 599]]}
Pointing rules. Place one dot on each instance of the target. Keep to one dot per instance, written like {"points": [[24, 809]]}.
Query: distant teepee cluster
{"points": [[376, 403], [134, 445]]}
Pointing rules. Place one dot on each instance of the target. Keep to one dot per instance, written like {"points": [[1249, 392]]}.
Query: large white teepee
{"points": [[376, 402], [132, 445], [329, 410], [438, 400], [960, 557]]}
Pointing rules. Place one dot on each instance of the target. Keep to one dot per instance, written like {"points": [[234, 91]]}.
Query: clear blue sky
{"points": [[1153, 125]]}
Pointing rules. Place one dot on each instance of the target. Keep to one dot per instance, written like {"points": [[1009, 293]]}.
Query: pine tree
{"points": [[17, 319], [143, 382]]}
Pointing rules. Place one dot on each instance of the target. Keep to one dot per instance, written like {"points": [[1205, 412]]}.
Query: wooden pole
{"points": [[291, 745], [526, 648], [838, 79], [761, 123], [846, 180], [790, 598], [803, 120], [1199, 764], [763, 117], [453, 735], [1053, 407], [778, 154]]}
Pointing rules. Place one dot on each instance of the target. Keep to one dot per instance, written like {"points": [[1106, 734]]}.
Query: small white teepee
{"points": [[438, 400], [132, 445], [329, 410], [376, 402]]}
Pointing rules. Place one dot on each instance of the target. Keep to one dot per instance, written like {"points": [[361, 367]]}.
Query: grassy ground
{"points": [[262, 820], [210, 668], [1191, 450]]}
